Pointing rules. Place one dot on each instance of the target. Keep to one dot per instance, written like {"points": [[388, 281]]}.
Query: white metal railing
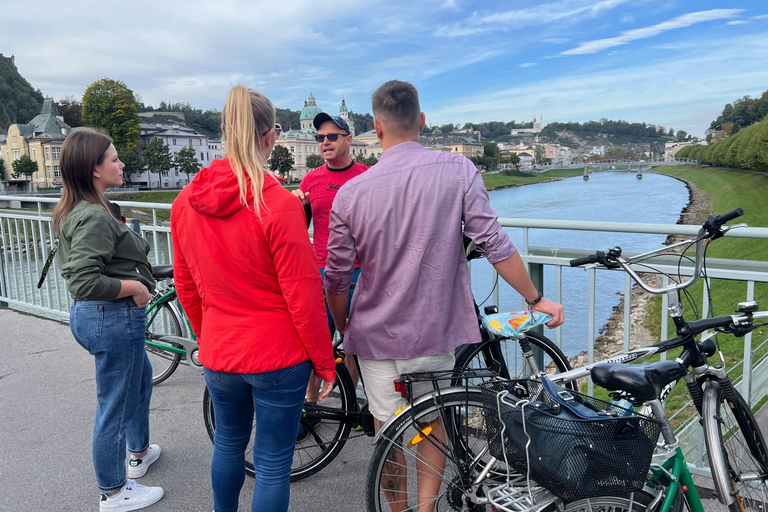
{"points": [[26, 239]]}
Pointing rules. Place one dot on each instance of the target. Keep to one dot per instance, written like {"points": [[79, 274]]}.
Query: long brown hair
{"points": [[248, 116], [81, 152]]}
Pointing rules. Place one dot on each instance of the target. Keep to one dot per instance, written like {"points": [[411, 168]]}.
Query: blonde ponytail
{"points": [[248, 117]]}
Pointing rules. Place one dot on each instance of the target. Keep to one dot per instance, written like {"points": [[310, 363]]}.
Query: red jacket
{"points": [[250, 286]]}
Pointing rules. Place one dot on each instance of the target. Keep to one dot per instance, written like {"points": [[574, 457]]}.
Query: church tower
{"points": [[344, 114]]}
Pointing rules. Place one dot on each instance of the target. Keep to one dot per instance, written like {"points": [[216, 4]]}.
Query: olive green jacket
{"points": [[95, 253]]}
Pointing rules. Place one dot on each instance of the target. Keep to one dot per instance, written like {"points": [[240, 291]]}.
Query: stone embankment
{"points": [[611, 339]]}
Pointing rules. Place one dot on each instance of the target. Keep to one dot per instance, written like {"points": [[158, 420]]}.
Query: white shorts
{"points": [[379, 376]]}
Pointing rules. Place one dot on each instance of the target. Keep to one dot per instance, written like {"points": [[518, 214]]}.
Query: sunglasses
{"points": [[278, 130], [333, 137]]}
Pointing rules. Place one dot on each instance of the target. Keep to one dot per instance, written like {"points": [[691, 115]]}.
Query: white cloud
{"points": [[686, 20], [527, 65], [686, 98]]}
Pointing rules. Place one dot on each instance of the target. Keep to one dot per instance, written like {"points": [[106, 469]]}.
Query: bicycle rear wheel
{"points": [[162, 319], [507, 358], [327, 422], [450, 427], [635, 502], [736, 450]]}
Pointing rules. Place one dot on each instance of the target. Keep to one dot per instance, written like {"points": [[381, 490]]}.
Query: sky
{"points": [[669, 62]]}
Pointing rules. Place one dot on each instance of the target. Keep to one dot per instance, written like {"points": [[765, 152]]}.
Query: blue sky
{"points": [[675, 63]]}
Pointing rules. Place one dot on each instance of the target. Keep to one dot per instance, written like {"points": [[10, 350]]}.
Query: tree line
{"points": [[19, 101], [747, 149], [742, 112]]}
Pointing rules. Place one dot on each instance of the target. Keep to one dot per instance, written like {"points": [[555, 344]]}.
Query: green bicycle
{"points": [[166, 340]]}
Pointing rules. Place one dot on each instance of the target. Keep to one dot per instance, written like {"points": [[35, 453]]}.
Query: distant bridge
{"points": [[604, 165]]}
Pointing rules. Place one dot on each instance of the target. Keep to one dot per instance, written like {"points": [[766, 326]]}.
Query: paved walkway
{"points": [[47, 403]]}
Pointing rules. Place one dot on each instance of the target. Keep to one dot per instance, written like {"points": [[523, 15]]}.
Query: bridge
{"points": [[608, 164], [26, 239]]}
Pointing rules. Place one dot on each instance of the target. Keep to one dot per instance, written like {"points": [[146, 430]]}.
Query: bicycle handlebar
{"points": [[711, 229]]}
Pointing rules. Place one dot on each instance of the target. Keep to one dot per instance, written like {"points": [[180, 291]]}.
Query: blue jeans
{"points": [[355, 276], [276, 398], [113, 333]]}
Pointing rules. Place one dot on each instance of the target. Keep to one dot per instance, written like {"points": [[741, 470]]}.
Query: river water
{"points": [[608, 196]]}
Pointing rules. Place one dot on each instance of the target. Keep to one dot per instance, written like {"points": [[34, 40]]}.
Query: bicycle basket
{"points": [[572, 457]]}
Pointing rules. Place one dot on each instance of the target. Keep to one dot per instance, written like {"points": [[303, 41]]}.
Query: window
{"points": [[34, 155], [56, 153], [206, 155], [202, 156], [16, 154], [202, 142], [14, 138], [293, 150], [174, 142], [48, 170], [190, 142], [47, 153], [56, 171]]}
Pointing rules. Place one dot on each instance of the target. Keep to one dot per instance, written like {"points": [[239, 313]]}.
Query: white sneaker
{"points": [[137, 468], [132, 497]]}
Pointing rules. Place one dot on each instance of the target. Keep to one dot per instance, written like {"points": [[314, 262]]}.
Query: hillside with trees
{"points": [[19, 101], [742, 112]]}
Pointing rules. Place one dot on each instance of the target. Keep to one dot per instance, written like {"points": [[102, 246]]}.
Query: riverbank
{"points": [[611, 339]]}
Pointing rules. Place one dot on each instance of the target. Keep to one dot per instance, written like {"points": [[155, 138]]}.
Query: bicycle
{"points": [[479, 480], [166, 341], [329, 423]]}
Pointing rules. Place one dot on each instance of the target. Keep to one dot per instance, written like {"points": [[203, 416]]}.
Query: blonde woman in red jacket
{"points": [[247, 278]]}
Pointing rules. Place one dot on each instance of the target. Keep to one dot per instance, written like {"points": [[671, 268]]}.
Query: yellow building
{"points": [[458, 145], [41, 141]]}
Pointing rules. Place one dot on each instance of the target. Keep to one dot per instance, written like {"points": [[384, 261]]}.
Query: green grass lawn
{"points": [[499, 181]]}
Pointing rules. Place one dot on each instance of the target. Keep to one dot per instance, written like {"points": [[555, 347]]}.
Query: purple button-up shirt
{"points": [[402, 219]]}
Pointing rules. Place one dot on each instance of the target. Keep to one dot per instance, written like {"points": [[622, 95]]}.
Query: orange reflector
{"points": [[420, 437]]}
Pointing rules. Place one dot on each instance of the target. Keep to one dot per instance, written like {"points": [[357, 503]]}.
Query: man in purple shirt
{"points": [[402, 219]]}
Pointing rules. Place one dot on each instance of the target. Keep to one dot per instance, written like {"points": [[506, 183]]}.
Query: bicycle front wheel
{"points": [[736, 450], [436, 449], [162, 319], [507, 358]]}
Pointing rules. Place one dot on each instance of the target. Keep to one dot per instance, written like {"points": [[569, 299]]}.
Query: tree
{"points": [[71, 110], [281, 161], [671, 132], [158, 157], [186, 161], [2, 168], [314, 161], [133, 162], [24, 166], [682, 134], [370, 160], [539, 154], [111, 106]]}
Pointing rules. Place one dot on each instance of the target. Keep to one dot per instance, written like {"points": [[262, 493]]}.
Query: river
{"points": [[608, 196]]}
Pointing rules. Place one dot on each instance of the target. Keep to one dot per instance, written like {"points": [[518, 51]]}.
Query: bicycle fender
{"points": [[407, 407]]}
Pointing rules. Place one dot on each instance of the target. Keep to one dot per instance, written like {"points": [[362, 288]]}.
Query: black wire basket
{"points": [[573, 458]]}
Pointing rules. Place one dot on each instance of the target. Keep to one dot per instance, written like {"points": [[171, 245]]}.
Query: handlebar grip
{"points": [[729, 216], [592, 258]]}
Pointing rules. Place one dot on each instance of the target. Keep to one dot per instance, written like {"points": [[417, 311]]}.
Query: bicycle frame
{"points": [[188, 344]]}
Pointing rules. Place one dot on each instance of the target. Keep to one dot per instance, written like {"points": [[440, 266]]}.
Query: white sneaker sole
{"points": [[134, 506]]}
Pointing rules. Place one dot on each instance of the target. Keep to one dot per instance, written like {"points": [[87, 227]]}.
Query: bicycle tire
{"points": [[736, 450], [162, 319], [458, 410], [635, 502], [324, 442], [483, 355]]}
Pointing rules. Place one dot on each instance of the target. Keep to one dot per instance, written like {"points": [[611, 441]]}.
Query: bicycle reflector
{"points": [[402, 388]]}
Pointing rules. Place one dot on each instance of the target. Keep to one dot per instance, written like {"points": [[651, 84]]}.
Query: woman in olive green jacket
{"points": [[110, 279]]}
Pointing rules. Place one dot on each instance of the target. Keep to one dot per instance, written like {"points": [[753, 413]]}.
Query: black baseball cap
{"points": [[323, 117]]}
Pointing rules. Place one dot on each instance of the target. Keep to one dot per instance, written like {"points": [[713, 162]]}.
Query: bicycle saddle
{"points": [[162, 271], [641, 382]]}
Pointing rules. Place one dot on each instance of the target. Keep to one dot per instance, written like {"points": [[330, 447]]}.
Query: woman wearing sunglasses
{"points": [[247, 279]]}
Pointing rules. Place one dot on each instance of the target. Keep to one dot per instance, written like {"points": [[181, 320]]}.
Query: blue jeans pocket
{"points": [[87, 322]]}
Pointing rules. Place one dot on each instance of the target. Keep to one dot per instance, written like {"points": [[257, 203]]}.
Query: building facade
{"points": [[176, 137], [41, 141]]}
